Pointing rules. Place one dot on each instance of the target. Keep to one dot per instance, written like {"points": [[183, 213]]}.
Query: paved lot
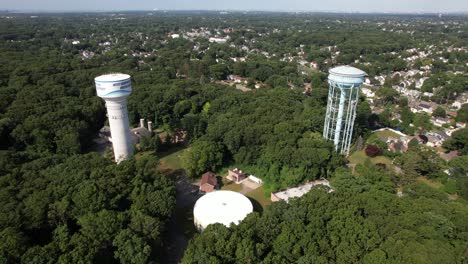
{"points": [[246, 186], [251, 185]]}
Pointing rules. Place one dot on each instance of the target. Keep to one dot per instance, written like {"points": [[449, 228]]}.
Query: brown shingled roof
{"points": [[210, 178]]}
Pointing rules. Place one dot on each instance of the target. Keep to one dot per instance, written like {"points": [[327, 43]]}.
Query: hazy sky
{"points": [[275, 5]]}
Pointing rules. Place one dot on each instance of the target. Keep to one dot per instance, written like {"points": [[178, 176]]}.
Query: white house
{"points": [[219, 40], [438, 121], [368, 92], [458, 104]]}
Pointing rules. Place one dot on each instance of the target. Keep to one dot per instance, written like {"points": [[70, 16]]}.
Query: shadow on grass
{"points": [[170, 151], [257, 207], [184, 220], [220, 182], [174, 174]]}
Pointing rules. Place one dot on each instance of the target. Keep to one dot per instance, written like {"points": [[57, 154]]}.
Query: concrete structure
{"points": [[141, 131], [345, 83], [224, 207], [298, 191], [255, 179], [150, 127], [114, 89], [236, 175]]}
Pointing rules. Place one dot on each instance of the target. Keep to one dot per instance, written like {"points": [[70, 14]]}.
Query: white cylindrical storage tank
{"points": [[114, 89], [224, 207]]}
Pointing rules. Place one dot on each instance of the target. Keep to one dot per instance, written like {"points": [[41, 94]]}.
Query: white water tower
{"points": [[114, 89]]}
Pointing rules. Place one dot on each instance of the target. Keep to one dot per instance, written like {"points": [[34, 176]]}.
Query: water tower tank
{"points": [[114, 89], [345, 83]]}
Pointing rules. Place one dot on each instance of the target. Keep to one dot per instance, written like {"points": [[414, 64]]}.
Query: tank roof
{"points": [[347, 71], [346, 75], [112, 77], [224, 207]]}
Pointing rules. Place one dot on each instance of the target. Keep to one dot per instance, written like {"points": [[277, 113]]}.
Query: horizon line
{"points": [[26, 11]]}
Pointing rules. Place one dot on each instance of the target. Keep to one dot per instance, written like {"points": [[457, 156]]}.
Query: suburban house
{"points": [[314, 65], [237, 79], [219, 40], [452, 113], [457, 104], [397, 144], [405, 91], [436, 138], [401, 144], [238, 59], [368, 92], [460, 125], [208, 182], [424, 107], [420, 82], [439, 121], [380, 79]]}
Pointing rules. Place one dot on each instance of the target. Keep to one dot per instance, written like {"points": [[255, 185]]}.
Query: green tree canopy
{"points": [[439, 112]]}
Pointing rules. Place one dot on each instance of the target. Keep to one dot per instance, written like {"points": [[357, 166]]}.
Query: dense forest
{"points": [[83, 209], [272, 132], [61, 202]]}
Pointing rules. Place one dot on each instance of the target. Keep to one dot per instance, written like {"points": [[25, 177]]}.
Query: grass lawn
{"points": [[169, 160], [172, 160], [383, 160], [448, 187], [230, 186], [143, 154], [433, 184], [359, 157], [387, 133], [259, 196]]}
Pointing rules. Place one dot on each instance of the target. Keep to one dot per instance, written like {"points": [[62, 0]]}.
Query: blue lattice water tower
{"points": [[345, 83]]}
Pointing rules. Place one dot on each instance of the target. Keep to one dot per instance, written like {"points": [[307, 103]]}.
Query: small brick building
{"points": [[208, 182]]}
